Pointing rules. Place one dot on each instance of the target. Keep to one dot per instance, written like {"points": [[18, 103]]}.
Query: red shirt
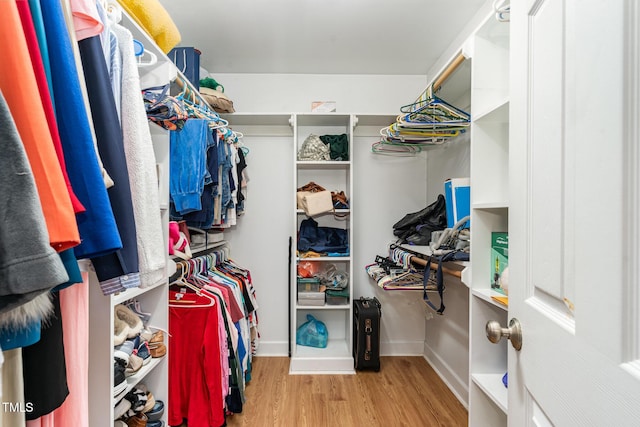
{"points": [[195, 376]]}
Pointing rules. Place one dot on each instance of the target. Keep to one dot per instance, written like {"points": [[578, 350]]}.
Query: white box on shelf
{"points": [[323, 107]]}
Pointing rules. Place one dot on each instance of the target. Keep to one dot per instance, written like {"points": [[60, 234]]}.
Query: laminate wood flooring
{"points": [[406, 392]]}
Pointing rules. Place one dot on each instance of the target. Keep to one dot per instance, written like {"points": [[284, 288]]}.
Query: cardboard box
{"points": [[323, 107], [457, 194], [499, 259]]}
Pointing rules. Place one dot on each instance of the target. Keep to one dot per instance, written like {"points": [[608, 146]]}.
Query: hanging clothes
{"points": [[141, 165], [97, 224], [18, 84], [28, 264], [116, 271], [195, 391], [217, 278]]}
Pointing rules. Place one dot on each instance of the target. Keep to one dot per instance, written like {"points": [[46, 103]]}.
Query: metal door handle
{"points": [[513, 333]]}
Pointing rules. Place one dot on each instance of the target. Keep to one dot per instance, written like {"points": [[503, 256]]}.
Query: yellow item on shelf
{"points": [[501, 300], [155, 20]]}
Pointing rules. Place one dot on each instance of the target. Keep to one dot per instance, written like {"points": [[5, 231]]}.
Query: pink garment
{"points": [[74, 305], [86, 19]]}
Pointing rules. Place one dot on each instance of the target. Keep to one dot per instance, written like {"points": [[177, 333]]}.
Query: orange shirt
{"points": [[18, 85]]}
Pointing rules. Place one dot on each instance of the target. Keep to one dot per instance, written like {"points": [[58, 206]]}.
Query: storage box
{"points": [[323, 107], [457, 194], [311, 298], [337, 297], [499, 259], [308, 285]]}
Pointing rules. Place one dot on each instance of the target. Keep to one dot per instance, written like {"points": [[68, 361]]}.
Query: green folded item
{"points": [[211, 84]]}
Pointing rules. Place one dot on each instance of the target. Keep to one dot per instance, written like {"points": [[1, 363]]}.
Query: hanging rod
{"points": [[453, 65], [419, 259], [181, 81]]}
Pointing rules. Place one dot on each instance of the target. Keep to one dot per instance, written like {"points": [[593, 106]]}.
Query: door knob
{"points": [[513, 333]]}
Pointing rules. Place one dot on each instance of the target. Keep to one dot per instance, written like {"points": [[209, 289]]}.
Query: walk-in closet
{"points": [[299, 213]]}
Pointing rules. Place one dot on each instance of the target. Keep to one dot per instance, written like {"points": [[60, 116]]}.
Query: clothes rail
{"points": [[420, 259]]}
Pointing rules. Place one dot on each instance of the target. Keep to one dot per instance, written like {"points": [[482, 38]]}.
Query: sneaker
{"points": [[134, 365], [144, 353], [119, 379], [124, 351], [156, 412], [157, 423]]}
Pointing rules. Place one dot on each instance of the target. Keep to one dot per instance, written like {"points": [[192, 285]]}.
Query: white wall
{"points": [[385, 189], [285, 93]]}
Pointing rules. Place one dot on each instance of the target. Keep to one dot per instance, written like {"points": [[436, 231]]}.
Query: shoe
{"points": [[134, 306], [156, 345], [124, 351], [119, 423], [157, 337], [156, 412], [132, 320], [134, 365], [144, 353], [152, 333], [121, 408], [137, 398], [151, 402], [120, 331], [138, 420], [157, 423], [119, 379], [157, 350]]}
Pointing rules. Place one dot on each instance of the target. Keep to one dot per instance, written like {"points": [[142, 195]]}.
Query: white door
{"points": [[574, 215]]}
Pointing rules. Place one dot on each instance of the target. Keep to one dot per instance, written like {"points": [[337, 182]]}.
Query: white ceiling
{"points": [[320, 37]]}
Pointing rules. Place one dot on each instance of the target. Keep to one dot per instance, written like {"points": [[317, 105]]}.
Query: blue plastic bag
{"points": [[312, 333]]}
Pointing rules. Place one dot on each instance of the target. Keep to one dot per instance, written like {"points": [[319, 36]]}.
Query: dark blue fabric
{"points": [[97, 226], [111, 149], [205, 216], [321, 239]]}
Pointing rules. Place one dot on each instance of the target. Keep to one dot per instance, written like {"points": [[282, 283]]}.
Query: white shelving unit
{"points": [[489, 213], [152, 299], [333, 176]]}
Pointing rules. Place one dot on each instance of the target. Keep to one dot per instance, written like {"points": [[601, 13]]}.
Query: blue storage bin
{"points": [[457, 194]]}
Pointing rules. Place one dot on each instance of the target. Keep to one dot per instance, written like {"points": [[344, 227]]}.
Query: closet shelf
{"points": [[325, 258], [323, 307], [495, 113], [323, 164], [492, 385], [497, 205], [486, 294], [134, 380], [134, 292], [338, 211]]}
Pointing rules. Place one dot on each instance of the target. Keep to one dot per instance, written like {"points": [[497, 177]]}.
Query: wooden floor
{"points": [[406, 392]]}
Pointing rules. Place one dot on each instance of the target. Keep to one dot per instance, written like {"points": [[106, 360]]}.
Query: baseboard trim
{"points": [[457, 386]]}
